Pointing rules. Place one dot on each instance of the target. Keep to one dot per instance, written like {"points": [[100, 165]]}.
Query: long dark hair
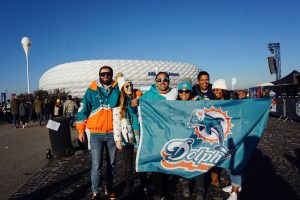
{"points": [[123, 101], [226, 95], [191, 96]]}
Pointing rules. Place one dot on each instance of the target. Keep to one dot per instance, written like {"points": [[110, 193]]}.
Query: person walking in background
{"points": [[242, 94], [47, 110], [58, 109], [95, 113], [37, 104], [15, 111], [7, 111], [69, 109], [30, 109], [126, 128], [203, 89], [160, 91], [23, 110]]}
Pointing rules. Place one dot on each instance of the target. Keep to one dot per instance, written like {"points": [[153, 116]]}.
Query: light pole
{"points": [[26, 43]]}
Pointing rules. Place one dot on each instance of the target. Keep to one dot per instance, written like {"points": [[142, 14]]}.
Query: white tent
{"points": [[266, 84]]}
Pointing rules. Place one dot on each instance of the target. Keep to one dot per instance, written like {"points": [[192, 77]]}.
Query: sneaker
{"points": [[159, 197], [199, 195], [229, 188], [95, 196], [233, 196], [146, 192], [186, 193], [112, 196]]}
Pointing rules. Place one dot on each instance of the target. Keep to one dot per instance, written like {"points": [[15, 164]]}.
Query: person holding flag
{"points": [[203, 89], [185, 94], [160, 91]]}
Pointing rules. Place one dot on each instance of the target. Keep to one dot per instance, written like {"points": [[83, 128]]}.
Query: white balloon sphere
{"points": [[26, 43]]}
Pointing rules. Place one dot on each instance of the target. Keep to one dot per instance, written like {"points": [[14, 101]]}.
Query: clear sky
{"points": [[224, 37]]}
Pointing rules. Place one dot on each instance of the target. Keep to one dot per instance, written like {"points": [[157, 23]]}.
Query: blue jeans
{"points": [[70, 115], [98, 143], [16, 120], [39, 117], [236, 179]]}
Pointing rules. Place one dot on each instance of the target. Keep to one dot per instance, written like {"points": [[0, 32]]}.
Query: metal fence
{"points": [[286, 108]]}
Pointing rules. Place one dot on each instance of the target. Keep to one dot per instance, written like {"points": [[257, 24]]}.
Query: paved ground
{"points": [[272, 173], [22, 155]]}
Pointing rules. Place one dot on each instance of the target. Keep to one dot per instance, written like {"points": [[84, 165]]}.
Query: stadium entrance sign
{"points": [[170, 73]]}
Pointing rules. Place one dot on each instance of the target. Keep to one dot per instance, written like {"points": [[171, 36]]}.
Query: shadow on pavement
{"points": [[261, 181], [60, 186], [294, 160]]}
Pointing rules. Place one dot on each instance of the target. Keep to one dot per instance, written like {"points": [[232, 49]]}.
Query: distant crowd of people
{"points": [[109, 109], [22, 112]]}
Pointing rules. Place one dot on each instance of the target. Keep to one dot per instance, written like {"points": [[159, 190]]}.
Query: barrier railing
{"points": [[286, 108]]}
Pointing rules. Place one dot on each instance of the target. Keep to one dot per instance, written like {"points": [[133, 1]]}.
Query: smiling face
{"points": [[128, 89], [203, 82], [162, 82], [184, 94], [218, 93], [105, 76]]}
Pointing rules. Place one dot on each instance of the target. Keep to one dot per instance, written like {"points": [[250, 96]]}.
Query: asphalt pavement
{"points": [[272, 172]]}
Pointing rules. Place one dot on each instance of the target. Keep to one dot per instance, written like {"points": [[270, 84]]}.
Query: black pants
{"points": [[129, 155], [160, 183]]}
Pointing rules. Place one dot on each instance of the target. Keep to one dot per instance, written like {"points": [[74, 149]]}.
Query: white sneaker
{"points": [[229, 188], [233, 196]]}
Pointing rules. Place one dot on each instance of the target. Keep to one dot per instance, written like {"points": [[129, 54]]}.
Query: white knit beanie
{"points": [[121, 80], [219, 84]]}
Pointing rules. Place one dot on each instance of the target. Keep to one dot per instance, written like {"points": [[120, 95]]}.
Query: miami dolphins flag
{"points": [[187, 138]]}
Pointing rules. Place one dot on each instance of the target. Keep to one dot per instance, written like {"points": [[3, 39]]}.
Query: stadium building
{"points": [[77, 76]]}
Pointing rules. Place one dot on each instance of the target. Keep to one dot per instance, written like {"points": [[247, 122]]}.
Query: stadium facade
{"points": [[77, 76]]}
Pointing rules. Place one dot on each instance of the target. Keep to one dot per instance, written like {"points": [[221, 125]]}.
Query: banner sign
{"points": [[187, 138]]}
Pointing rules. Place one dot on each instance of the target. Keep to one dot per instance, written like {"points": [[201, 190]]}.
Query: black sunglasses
{"points": [[162, 80], [184, 91], [105, 74], [127, 86]]}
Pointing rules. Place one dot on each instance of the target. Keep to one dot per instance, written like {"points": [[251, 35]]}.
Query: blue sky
{"points": [[224, 37]]}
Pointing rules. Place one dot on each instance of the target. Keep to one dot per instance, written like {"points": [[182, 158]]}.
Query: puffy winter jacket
{"points": [[126, 130], [69, 106], [95, 111]]}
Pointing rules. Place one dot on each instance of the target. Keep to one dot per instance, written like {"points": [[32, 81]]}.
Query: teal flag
{"points": [[187, 138]]}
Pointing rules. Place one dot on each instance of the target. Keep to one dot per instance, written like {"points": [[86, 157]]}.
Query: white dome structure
{"points": [[77, 76]]}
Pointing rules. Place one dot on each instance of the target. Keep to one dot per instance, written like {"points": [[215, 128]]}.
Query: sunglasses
{"points": [[184, 91], [128, 86], [162, 80], [105, 74]]}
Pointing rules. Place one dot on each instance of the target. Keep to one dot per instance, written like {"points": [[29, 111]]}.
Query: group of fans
{"points": [[109, 109], [20, 112]]}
